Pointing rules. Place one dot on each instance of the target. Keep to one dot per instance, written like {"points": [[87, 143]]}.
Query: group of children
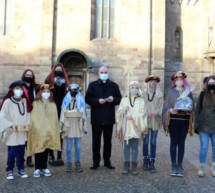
{"points": [[38, 125], [37, 120]]}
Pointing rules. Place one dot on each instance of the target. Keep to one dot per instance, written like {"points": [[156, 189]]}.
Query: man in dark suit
{"points": [[102, 95]]}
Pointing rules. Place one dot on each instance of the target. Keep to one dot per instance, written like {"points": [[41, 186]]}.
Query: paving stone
{"points": [[112, 181]]}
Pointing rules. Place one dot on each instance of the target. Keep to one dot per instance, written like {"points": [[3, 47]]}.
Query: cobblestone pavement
{"points": [[105, 180]]}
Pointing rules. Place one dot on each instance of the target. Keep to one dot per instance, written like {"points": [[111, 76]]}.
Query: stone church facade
{"points": [[133, 38]]}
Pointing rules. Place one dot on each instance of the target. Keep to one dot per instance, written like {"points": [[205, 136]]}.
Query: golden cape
{"points": [[44, 131]]}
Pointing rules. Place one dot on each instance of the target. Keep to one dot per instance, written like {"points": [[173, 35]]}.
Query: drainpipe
{"points": [[5, 18], [54, 33], [150, 40]]}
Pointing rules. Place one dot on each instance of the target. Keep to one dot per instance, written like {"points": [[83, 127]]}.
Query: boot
{"points": [[174, 170], [68, 167], [126, 168], [152, 166], [29, 162], [52, 161], [134, 168], [180, 170], [201, 171], [145, 163], [213, 169], [78, 167]]}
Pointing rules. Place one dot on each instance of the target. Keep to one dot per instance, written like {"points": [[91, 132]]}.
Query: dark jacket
{"points": [[102, 114], [205, 117]]}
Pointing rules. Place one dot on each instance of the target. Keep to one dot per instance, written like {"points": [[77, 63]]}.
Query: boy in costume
{"points": [[14, 119], [73, 121]]}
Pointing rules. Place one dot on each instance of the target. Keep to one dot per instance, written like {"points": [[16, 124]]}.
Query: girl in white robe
{"points": [[131, 121]]}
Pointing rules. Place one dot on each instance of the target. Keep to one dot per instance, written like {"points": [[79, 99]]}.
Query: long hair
{"points": [[209, 97], [33, 83], [185, 83], [25, 95], [39, 96], [50, 78]]}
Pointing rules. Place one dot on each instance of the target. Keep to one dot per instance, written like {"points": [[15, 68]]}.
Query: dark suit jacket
{"points": [[102, 114]]}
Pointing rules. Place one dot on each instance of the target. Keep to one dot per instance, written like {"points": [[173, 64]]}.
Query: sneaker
{"points": [[78, 167], [22, 174], [134, 171], [36, 173], [45, 172], [10, 175], [174, 170], [125, 170], [180, 171], [201, 171], [68, 168]]}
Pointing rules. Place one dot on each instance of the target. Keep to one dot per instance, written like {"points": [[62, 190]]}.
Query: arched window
{"points": [[178, 44], [104, 19]]}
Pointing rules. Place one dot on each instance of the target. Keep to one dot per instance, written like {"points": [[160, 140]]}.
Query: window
{"points": [[104, 19], [178, 44]]}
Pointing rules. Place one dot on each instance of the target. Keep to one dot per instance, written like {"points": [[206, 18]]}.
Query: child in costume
{"points": [[131, 121], [73, 121], [44, 132], [178, 122], [154, 104], [15, 119]]}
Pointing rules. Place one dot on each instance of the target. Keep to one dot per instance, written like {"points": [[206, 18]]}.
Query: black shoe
{"points": [[30, 165], [60, 162], [52, 162], [109, 166], [29, 162], [94, 167]]}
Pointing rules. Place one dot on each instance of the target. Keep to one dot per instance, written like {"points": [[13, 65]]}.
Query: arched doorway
{"points": [[76, 64]]}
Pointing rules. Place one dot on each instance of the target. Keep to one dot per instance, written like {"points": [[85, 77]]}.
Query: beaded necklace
{"points": [[17, 103], [151, 99], [134, 100]]}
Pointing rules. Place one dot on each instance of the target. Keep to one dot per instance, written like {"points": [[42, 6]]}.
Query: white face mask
{"points": [[45, 95], [18, 93], [179, 83]]}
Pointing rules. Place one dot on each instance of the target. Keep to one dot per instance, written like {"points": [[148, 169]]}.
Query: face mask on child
{"points": [[179, 83], [18, 93], [134, 91], [45, 95], [73, 93]]}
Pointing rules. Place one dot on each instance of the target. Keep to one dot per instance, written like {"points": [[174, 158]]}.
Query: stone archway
{"points": [[76, 64]]}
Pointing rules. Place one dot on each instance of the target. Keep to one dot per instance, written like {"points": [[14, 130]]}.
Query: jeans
{"points": [[178, 130], [152, 134], [15, 152], [131, 147], [77, 144], [204, 141]]}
